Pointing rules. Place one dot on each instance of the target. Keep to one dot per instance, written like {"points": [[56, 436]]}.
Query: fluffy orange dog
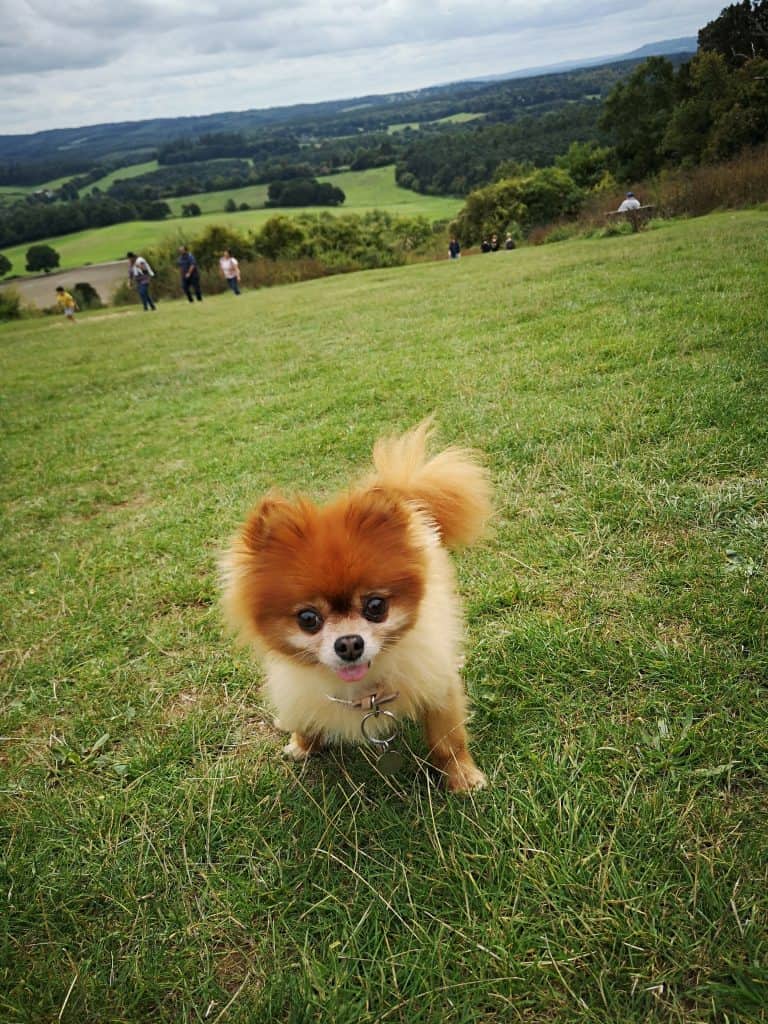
{"points": [[356, 600]]}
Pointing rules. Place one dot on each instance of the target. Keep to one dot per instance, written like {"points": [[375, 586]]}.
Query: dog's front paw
{"points": [[300, 747], [295, 751], [464, 778]]}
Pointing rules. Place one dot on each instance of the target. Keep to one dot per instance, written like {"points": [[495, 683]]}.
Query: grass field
{"points": [[365, 190], [162, 863], [124, 173], [460, 118]]}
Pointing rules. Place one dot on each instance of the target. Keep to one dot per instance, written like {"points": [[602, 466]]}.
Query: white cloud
{"points": [[90, 62]]}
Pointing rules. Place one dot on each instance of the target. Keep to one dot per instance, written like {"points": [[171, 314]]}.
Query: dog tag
{"points": [[390, 762]]}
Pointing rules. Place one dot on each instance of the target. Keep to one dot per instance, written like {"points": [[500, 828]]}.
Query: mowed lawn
{"points": [[365, 191], [162, 863]]}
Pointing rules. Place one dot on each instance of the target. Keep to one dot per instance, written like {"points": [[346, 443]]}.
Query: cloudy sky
{"points": [[85, 61]]}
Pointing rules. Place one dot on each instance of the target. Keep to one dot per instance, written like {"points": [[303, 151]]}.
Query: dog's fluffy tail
{"points": [[453, 488]]}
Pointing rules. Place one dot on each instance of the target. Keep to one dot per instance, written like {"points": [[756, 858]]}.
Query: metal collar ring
{"points": [[379, 741]]}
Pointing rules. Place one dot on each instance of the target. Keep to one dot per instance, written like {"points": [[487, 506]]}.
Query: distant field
{"points": [[161, 862], [461, 118], [365, 190], [15, 192], [458, 118], [211, 202], [124, 173]]}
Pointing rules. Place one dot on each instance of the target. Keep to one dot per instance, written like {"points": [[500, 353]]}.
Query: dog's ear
{"points": [[270, 511]]}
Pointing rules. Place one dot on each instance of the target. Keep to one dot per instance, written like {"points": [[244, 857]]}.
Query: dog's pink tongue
{"points": [[353, 674]]}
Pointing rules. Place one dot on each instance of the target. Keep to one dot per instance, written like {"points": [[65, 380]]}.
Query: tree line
{"points": [[27, 222], [662, 117]]}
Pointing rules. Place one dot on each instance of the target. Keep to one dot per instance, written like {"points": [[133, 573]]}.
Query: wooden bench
{"points": [[636, 217]]}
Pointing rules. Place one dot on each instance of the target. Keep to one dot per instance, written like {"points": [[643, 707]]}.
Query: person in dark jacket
{"points": [[190, 275]]}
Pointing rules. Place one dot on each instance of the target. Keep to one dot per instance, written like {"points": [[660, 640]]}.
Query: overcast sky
{"points": [[85, 61]]}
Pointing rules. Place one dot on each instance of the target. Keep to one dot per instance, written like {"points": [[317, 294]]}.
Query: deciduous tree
{"points": [[42, 257]]}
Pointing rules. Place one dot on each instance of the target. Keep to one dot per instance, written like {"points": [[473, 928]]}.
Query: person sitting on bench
{"points": [[630, 203]]}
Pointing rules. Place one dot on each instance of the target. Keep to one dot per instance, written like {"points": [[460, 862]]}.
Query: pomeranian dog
{"points": [[353, 604]]}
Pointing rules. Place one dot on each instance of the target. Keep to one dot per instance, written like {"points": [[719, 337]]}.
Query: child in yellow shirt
{"points": [[66, 303]]}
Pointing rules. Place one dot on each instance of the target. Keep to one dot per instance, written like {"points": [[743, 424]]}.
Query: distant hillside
{"points": [[132, 141], [666, 47]]}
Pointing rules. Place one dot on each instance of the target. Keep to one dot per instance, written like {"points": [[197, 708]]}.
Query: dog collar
{"points": [[371, 702], [389, 761]]}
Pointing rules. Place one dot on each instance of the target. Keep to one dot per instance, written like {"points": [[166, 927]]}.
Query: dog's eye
{"points": [[375, 608], [309, 620]]}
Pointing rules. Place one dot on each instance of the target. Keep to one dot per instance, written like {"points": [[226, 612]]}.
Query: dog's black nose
{"points": [[349, 647]]}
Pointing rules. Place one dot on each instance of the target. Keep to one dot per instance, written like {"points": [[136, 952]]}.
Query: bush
{"points": [[519, 203], [5, 265], [10, 304], [86, 296], [208, 247]]}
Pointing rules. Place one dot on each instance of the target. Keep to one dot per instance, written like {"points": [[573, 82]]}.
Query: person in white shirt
{"points": [[140, 274], [630, 203], [230, 269]]}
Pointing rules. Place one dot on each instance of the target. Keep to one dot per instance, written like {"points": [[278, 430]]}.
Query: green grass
{"points": [[365, 190], [123, 173], [13, 193], [460, 118], [162, 863], [213, 202]]}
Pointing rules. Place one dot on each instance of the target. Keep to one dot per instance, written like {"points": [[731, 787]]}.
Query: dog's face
{"points": [[336, 585]]}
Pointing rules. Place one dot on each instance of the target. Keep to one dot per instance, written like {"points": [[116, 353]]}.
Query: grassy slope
{"points": [[132, 171], [19, 191], [162, 862], [365, 190]]}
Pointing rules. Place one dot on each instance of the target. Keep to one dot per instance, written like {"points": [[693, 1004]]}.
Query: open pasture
{"points": [[162, 863], [365, 190]]}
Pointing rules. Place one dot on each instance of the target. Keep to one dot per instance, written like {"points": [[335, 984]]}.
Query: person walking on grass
{"points": [[230, 270], [66, 304], [140, 274], [190, 275]]}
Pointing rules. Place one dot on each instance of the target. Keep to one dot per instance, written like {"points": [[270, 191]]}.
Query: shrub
{"points": [[280, 236], [523, 202], [5, 265], [10, 304], [209, 246], [86, 296]]}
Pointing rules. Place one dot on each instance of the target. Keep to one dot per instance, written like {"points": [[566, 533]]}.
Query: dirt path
{"points": [[41, 291]]}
